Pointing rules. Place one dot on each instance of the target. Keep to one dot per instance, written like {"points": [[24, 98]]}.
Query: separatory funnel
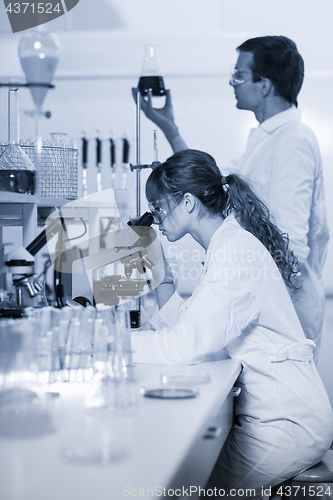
{"points": [[39, 55]]}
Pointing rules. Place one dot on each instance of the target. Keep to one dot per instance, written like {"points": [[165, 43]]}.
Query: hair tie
{"points": [[223, 180]]}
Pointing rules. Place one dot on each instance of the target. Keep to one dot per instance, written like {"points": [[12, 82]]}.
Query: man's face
{"points": [[247, 93]]}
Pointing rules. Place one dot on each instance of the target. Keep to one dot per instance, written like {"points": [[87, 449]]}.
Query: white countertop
{"points": [[161, 435]]}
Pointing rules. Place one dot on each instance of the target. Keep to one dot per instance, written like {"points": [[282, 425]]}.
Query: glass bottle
{"points": [[151, 74], [17, 172]]}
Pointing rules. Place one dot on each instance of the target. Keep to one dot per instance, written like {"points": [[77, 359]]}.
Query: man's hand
{"points": [[162, 117]]}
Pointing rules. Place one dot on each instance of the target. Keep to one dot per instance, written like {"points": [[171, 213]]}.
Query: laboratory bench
{"points": [[167, 443]]}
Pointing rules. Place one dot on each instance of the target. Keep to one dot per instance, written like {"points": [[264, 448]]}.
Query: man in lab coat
{"points": [[282, 160]]}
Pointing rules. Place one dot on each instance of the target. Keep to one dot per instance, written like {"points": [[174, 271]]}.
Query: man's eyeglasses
{"points": [[159, 213], [236, 77]]}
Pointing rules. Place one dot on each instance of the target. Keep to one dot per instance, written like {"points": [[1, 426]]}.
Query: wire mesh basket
{"points": [[58, 176]]}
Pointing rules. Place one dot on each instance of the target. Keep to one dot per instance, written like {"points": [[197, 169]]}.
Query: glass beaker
{"points": [[25, 409], [17, 173], [95, 435], [151, 74], [102, 432], [58, 139]]}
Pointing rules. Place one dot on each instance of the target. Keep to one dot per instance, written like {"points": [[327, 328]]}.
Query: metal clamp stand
{"points": [[35, 112], [135, 315], [138, 154]]}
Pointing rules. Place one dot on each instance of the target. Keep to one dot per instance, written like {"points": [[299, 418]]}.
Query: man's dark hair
{"points": [[277, 58]]}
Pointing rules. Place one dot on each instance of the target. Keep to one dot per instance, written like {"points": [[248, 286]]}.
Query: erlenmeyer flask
{"points": [[151, 74], [17, 172]]}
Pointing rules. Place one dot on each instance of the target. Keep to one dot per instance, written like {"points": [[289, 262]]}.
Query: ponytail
{"points": [[253, 215], [197, 172]]}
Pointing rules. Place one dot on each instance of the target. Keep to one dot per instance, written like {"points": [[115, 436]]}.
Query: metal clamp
{"points": [[28, 84], [145, 165]]}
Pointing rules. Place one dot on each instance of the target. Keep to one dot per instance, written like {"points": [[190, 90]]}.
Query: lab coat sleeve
{"points": [[216, 314], [293, 172], [168, 315]]}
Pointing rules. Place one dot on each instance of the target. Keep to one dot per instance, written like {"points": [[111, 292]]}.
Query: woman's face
{"points": [[171, 218]]}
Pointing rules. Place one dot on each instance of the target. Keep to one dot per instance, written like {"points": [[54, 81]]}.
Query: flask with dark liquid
{"points": [[17, 181], [153, 83], [151, 74], [17, 173]]}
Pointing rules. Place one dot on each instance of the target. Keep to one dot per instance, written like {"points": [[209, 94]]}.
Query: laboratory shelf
{"points": [[103, 199], [41, 201], [25, 210], [18, 209]]}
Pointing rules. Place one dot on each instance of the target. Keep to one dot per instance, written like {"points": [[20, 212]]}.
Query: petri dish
{"points": [[170, 393], [185, 378], [85, 455]]}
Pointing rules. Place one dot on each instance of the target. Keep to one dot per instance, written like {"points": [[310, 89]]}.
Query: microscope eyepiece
{"points": [[145, 220], [141, 225]]}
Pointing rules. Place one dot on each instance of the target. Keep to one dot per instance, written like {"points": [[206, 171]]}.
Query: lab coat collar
{"points": [[230, 218], [276, 121]]}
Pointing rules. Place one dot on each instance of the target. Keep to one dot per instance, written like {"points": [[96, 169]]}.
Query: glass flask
{"points": [[17, 173], [39, 55], [151, 74]]}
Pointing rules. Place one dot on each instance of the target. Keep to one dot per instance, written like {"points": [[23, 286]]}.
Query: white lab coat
{"points": [[242, 305], [283, 162]]}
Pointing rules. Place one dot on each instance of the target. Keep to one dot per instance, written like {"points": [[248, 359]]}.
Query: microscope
{"points": [[23, 286], [137, 249]]}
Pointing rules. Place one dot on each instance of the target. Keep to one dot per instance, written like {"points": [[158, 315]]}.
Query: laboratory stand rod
{"points": [[138, 172], [155, 146], [138, 155], [38, 158]]}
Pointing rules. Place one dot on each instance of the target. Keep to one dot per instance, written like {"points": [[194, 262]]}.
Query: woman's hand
{"points": [[166, 288], [163, 278], [161, 272], [168, 274]]}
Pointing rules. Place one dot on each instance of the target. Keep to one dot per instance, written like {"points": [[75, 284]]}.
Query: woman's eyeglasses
{"points": [[159, 213]]}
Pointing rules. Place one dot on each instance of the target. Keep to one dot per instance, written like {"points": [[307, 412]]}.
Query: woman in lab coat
{"points": [[283, 416]]}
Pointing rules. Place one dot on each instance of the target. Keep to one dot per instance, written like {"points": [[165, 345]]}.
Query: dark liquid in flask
{"points": [[153, 83], [17, 181]]}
